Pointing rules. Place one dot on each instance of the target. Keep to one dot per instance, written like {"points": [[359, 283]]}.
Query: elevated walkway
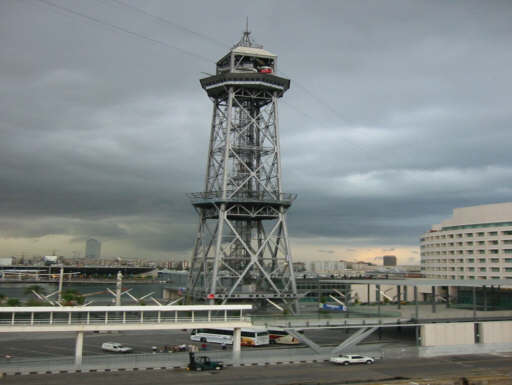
{"points": [[109, 318], [81, 319]]}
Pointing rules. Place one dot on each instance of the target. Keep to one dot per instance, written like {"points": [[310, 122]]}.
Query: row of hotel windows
{"points": [[467, 260], [482, 269], [463, 277], [467, 235], [468, 252], [468, 243]]}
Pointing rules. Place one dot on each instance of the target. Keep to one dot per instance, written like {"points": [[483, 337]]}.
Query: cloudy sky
{"points": [[399, 111]]}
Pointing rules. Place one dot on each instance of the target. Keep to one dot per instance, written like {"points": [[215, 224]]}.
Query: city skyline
{"points": [[397, 114]]}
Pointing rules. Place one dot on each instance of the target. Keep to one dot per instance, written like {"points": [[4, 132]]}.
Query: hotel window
{"points": [[471, 277], [469, 235], [507, 232], [495, 260], [471, 260], [495, 277], [481, 242], [482, 269], [482, 277], [492, 242], [492, 233], [481, 260], [494, 251], [507, 241], [507, 251], [461, 277], [508, 260], [481, 251], [471, 269], [495, 269], [481, 234], [508, 269]]}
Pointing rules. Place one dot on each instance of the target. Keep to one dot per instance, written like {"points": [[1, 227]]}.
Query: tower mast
{"points": [[241, 250]]}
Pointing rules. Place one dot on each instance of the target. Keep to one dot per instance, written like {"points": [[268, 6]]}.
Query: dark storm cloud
{"points": [[398, 112]]}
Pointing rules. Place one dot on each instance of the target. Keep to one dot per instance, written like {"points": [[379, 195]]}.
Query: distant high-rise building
{"points": [[389, 260], [92, 248]]}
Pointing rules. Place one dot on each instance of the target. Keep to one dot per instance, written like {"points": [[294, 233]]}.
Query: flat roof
{"points": [[425, 282]]}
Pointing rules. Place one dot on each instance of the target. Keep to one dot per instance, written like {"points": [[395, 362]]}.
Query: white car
{"points": [[348, 359], [115, 347]]}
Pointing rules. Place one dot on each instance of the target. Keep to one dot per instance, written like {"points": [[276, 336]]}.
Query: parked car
{"points": [[115, 347], [348, 359]]}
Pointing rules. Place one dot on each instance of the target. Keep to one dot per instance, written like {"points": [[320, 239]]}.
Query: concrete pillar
{"points": [[398, 295], [416, 301], [119, 287], [433, 299], [237, 340], [368, 295], [79, 344], [405, 293], [61, 279]]}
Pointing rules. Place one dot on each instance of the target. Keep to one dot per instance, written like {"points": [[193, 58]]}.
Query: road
{"points": [[63, 344], [299, 374]]}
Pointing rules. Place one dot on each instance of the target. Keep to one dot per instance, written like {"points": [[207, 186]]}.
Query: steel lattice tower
{"points": [[242, 251]]}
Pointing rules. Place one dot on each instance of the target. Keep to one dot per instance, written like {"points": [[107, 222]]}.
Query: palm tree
{"points": [[13, 302], [34, 288]]}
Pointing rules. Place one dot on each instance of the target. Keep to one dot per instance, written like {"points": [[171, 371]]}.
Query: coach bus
{"points": [[281, 336], [250, 337]]}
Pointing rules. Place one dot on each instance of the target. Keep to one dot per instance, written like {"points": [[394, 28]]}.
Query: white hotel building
{"points": [[475, 243]]}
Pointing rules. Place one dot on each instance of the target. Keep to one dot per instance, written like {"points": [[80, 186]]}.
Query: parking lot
{"points": [[47, 345]]}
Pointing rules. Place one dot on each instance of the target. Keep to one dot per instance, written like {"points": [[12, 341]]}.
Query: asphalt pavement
{"points": [[411, 371]]}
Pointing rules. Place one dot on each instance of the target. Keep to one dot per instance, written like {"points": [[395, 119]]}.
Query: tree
{"points": [[72, 297], [13, 302], [34, 302], [35, 288]]}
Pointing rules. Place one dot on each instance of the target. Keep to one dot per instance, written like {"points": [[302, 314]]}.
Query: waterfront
{"points": [[93, 290]]}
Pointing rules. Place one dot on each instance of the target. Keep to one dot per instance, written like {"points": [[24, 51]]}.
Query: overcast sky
{"points": [[398, 112]]}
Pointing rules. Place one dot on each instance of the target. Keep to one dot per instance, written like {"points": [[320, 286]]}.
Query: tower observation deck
{"points": [[241, 250]]}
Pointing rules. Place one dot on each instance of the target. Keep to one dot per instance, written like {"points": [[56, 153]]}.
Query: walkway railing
{"points": [[112, 317]]}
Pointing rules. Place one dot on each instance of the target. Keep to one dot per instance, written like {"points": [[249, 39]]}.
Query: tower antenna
{"points": [[246, 40]]}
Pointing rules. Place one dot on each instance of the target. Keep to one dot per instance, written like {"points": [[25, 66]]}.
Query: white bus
{"points": [[280, 336], [250, 337]]}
